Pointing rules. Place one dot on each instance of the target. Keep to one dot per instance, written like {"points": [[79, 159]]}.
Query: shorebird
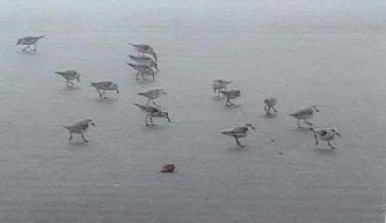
{"points": [[28, 41], [153, 94], [239, 132], [269, 103], [79, 128], [153, 112], [142, 70], [230, 94], [69, 75], [325, 134], [145, 49], [218, 85], [305, 114], [145, 60], [168, 168], [105, 86]]}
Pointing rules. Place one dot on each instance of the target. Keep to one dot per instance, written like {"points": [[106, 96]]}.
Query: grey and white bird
{"points": [[325, 134], [28, 41], [145, 49], [270, 103], [152, 112], [218, 85], [305, 114], [104, 86], [230, 94], [239, 132], [153, 94], [145, 60], [142, 70], [79, 128], [69, 75]]}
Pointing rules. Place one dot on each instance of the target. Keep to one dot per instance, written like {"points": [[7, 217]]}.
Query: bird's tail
{"points": [[67, 127], [138, 105], [130, 64], [142, 94], [39, 37]]}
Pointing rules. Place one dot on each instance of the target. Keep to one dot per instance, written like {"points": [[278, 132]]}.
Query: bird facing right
{"points": [[239, 132], [270, 103], [152, 112], [305, 114], [28, 41], [325, 134], [69, 75], [79, 128]]}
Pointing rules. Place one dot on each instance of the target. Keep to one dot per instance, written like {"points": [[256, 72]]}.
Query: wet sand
{"points": [[303, 53]]}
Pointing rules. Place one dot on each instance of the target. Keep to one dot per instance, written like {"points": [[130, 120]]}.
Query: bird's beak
{"points": [[338, 134], [92, 123], [317, 110], [254, 129]]}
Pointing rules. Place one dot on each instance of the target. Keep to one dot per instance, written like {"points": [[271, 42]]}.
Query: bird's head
{"points": [[89, 121], [166, 115], [315, 108], [335, 131], [249, 125]]}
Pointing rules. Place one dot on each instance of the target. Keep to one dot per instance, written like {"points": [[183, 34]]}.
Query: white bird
{"points": [[153, 94], [325, 134], [28, 41], [69, 75], [104, 86], [305, 114], [142, 70], [79, 128], [145, 60], [145, 49], [270, 103], [153, 112], [239, 132], [218, 85], [230, 94]]}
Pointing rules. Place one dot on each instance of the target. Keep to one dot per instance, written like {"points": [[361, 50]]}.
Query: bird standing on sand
{"points": [[79, 128], [239, 132], [230, 94], [28, 41], [104, 86], [69, 75], [270, 103], [218, 85], [305, 114], [153, 112], [325, 134], [145, 60], [145, 49], [153, 94]]}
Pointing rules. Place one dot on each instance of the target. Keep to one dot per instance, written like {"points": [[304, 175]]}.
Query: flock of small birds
{"points": [[145, 63]]}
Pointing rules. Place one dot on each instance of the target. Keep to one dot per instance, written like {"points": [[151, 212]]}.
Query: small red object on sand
{"points": [[168, 168]]}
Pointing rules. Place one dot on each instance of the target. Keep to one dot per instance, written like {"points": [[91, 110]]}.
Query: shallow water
{"points": [[330, 55]]}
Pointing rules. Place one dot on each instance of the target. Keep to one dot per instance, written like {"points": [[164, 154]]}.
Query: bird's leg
{"points": [[117, 91], [329, 144], [35, 47], [147, 124], [69, 139], [148, 101], [316, 139], [266, 110], [84, 139], [100, 94], [269, 109], [274, 109], [238, 142], [227, 103], [104, 94], [151, 121], [298, 123]]}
